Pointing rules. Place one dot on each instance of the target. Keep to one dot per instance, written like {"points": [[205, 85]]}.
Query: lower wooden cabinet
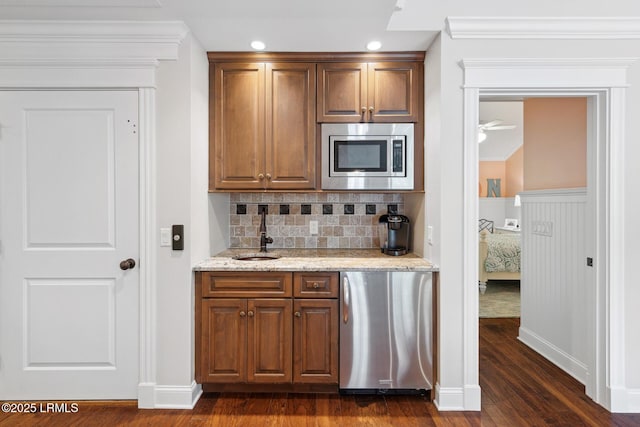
{"points": [[260, 339], [315, 341]]}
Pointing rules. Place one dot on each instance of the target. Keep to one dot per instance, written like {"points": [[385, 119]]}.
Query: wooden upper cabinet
{"points": [[237, 125], [290, 126], [262, 119], [392, 91], [368, 92], [342, 92]]}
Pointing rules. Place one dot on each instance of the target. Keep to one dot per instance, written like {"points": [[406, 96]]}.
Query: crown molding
{"points": [[90, 40], [614, 28], [533, 72], [86, 53], [139, 31]]}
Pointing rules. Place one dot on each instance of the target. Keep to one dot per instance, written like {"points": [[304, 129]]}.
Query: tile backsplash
{"points": [[345, 220]]}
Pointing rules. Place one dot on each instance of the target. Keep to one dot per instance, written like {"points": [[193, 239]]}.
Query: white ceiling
{"points": [[310, 25], [501, 144], [284, 25]]}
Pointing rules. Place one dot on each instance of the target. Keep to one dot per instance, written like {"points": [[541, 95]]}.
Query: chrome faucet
{"points": [[264, 240]]}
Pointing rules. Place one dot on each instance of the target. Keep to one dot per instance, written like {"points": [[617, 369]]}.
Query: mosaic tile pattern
{"points": [[345, 220]]}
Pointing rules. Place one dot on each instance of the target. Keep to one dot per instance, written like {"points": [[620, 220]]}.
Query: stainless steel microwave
{"points": [[367, 156]]}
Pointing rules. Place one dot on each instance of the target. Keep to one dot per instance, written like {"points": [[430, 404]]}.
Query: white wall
{"points": [[433, 188], [173, 168], [182, 198], [497, 209]]}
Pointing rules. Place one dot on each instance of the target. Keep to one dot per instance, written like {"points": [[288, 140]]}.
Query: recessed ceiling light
{"points": [[258, 45], [374, 45]]}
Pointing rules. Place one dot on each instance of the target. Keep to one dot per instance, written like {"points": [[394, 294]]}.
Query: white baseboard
{"points": [[624, 400], [560, 358], [465, 398], [168, 397], [146, 395]]}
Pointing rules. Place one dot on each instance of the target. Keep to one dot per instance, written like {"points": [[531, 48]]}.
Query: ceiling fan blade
{"points": [[504, 127], [490, 124]]}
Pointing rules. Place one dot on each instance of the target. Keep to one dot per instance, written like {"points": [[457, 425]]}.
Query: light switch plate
{"points": [[165, 237]]}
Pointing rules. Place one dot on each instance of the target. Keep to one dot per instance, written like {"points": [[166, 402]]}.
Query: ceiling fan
{"points": [[490, 126]]}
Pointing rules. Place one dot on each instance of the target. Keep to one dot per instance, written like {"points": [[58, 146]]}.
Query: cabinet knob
{"points": [[269, 177], [297, 314], [371, 109], [250, 314], [316, 285], [242, 314], [260, 176]]}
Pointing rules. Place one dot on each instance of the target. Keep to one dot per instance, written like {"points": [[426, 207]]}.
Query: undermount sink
{"points": [[256, 257]]}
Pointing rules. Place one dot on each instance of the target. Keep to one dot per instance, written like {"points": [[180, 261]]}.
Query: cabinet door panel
{"points": [[342, 92], [315, 336], [392, 91], [269, 340], [290, 122], [237, 125], [224, 338]]}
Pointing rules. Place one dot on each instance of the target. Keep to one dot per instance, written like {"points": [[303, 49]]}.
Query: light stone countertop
{"points": [[316, 260]]}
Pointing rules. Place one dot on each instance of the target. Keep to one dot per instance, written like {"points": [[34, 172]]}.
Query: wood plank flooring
{"points": [[519, 388]]}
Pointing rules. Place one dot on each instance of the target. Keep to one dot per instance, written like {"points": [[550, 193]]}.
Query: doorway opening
{"points": [[605, 125], [538, 158]]}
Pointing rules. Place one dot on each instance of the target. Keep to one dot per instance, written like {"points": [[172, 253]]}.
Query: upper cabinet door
{"points": [[368, 92], [393, 92], [290, 125], [237, 126], [342, 92]]}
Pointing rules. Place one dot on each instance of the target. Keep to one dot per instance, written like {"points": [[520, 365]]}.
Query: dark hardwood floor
{"points": [[519, 388]]}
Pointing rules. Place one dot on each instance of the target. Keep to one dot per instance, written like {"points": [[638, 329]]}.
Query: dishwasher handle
{"points": [[345, 299]]}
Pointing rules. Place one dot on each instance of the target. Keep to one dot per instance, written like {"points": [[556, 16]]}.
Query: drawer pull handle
{"points": [[316, 285]]}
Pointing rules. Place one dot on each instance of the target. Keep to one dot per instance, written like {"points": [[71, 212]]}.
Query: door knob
{"points": [[127, 264]]}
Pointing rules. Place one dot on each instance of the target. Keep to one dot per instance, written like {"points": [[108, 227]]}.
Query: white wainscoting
{"points": [[554, 312]]}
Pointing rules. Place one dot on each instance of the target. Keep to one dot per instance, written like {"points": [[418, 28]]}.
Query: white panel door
{"points": [[68, 217]]}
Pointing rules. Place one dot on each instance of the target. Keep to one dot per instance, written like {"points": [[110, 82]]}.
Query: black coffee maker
{"points": [[393, 230]]}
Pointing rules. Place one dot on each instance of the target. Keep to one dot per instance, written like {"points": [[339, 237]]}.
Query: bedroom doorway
{"points": [[578, 317], [604, 83], [544, 162]]}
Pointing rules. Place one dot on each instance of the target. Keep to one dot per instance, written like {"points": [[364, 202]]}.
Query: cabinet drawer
{"points": [[315, 285], [246, 284]]}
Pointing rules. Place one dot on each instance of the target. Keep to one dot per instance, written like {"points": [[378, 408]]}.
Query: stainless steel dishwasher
{"points": [[386, 332]]}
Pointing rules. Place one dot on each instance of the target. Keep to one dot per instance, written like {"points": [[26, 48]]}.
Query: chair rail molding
{"points": [[85, 53], [580, 28]]}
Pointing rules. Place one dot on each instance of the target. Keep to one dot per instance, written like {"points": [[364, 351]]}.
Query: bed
{"points": [[499, 256]]}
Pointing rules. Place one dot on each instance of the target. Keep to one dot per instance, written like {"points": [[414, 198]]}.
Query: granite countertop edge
{"points": [[316, 260]]}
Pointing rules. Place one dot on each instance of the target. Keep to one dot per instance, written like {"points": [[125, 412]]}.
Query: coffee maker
{"points": [[393, 230]]}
